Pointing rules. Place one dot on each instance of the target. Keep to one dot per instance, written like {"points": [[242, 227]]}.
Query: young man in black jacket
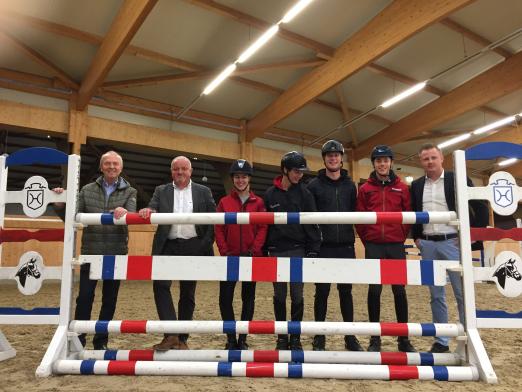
{"points": [[333, 191], [288, 194]]}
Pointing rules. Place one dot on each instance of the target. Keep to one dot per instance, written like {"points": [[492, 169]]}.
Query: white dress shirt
{"points": [[433, 199], [182, 203]]}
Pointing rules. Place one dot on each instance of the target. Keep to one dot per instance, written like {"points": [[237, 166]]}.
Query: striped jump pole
{"points": [[263, 369], [266, 327], [269, 269], [277, 356], [270, 218]]}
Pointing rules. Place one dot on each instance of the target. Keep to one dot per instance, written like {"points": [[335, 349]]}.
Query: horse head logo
{"points": [[507, 270], [28, 269]]}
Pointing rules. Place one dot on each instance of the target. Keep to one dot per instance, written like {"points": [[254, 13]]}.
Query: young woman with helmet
{"points": [[239, 240], [288, 194], [334, 190], [385, 192]]}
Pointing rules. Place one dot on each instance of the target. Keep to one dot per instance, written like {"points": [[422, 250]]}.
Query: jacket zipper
{"points": [[383, 209], [338, 209]]}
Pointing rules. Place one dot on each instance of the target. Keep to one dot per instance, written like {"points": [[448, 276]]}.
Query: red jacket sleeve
{"points": [[261, 231], [361, 206], [219, 231]]}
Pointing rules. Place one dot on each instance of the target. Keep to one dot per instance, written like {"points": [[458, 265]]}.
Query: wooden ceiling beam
{"points": [[494, 83], [395, 24], [125, 25], [321, 50], [38, 58], [154, 80], [194, 70], [346, 114]]}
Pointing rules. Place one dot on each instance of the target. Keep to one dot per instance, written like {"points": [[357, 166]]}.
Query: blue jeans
{"points": [[444, 250]]}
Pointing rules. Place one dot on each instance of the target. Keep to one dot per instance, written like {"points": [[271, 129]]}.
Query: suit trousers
{"points": [[187, 288], [444, 250], [85, 300]]}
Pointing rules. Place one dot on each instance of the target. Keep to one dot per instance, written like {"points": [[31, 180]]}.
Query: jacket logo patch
{"points": [[396, 189], [275, 205]]}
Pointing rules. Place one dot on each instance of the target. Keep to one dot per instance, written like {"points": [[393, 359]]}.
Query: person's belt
{"points": [[439, 237], [182, 239]]}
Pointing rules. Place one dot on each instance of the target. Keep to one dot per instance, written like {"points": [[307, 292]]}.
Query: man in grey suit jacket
{"points": [[180, 196]]}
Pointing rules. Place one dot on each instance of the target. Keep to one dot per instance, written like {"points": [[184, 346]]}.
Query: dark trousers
{"points": [[392, 250], [281, 290], [187, 288], [226, 297], [322, 290], [85, 300]]}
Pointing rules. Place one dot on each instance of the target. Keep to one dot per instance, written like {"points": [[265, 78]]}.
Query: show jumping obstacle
{"points": [[31, 271], [470, 362]]}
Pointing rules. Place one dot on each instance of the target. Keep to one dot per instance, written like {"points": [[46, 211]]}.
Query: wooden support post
{"points": [[353, 166], [77, 128], [245, 147]]}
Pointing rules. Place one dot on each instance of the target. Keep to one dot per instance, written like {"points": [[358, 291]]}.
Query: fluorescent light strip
{"points": [[217, 81], [454, 140], [404, 94], [494, 125], [258, 43], [295, 10], [263, 39], [508, 162]]}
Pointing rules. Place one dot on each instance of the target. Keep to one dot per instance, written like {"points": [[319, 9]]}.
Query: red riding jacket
{"points": [[234, 240], [378, 196]]}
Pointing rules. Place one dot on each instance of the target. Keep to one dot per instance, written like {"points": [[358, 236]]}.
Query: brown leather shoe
{"points": [[168, 343], [183, 345]]}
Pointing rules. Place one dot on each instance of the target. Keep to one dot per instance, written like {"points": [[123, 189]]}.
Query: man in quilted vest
{"points": [[109, 193]]}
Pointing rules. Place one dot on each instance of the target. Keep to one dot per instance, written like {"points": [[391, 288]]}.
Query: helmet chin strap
{"points": [[285, 173], [241, 190], [333, 171]]}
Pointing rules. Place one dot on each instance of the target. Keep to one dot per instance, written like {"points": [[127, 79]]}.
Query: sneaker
{"points": [[404, 345], [295, 343], [282, 343], [439, 348], [352, 344], [375, 344], [318, 343]]}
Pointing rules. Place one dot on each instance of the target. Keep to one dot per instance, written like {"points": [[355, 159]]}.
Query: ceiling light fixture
{"points": [[258, 44], [507, 162], [405, 94], [461, 63], [496, 124], [219, 79], [295, 10], [454, 140]]}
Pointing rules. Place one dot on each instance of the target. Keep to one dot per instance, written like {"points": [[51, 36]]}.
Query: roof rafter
{"points": [[37, 57], [153, 80], [127, 22], [494, 83], [321, 50], [396, 23]]}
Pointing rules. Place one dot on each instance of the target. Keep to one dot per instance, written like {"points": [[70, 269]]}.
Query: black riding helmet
{"points": [[293, 160], [381, 151], [332, 146], [241, 166]]}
